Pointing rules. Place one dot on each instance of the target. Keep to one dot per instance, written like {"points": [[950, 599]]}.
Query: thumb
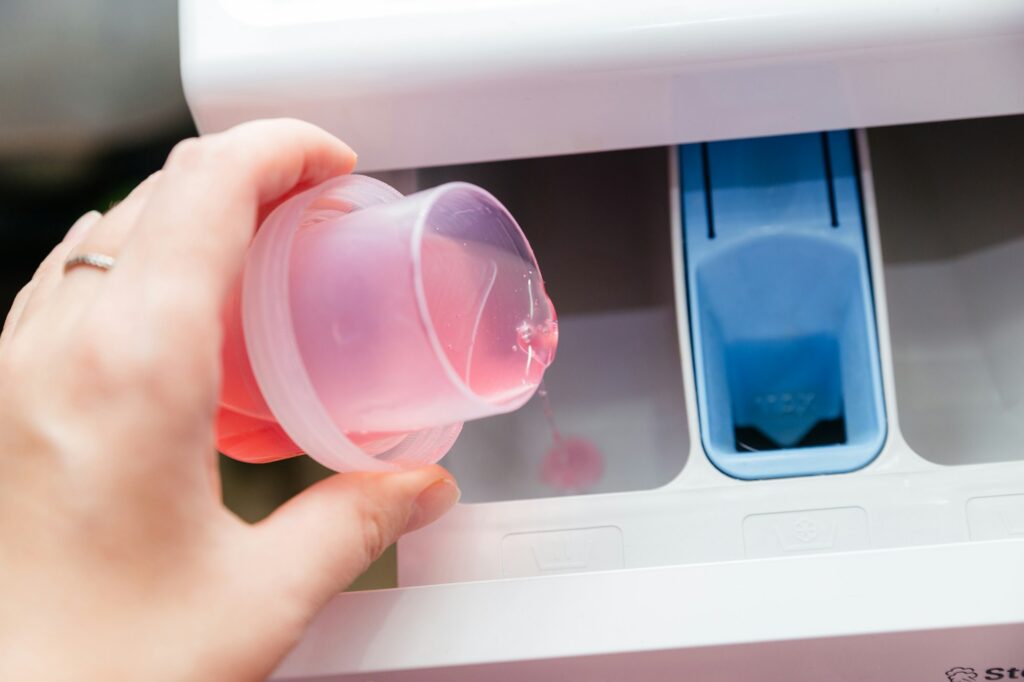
{"points": [[324, 538]]}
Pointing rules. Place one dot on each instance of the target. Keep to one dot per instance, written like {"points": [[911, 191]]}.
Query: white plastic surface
{"points": [[429, 82], [956, 290], [961, 358], [885, 615]]}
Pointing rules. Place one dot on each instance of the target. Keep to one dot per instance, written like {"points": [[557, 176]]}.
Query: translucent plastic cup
{"points": [[368, 326]]}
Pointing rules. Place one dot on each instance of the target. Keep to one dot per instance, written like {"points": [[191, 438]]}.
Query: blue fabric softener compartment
{"points": [[781, 311]]}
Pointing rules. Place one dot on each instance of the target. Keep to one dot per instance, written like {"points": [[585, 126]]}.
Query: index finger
{"points": [[194, 231]]}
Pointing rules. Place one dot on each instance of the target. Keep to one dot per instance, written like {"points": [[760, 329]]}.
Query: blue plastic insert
{"points": [[781, 311]]}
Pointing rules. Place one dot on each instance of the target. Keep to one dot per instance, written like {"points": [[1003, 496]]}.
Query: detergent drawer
{"points": [[928, 452], [665, 563], [950, 201]]}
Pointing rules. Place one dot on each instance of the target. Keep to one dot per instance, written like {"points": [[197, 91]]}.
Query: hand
{"points": [[119, 561]]}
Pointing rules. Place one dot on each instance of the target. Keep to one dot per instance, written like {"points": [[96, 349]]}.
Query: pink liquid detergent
{"points": [[571, 465], [473, 292]]}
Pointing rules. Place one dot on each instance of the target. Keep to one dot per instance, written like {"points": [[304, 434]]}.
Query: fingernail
{"points": [[352, 152], [432, 503], [82, 226]]}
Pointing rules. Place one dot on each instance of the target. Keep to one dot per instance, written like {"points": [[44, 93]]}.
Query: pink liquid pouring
{"points": [[571, 465]]}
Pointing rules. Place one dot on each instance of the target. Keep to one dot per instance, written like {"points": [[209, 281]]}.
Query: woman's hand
{"points": [[118, 560]]}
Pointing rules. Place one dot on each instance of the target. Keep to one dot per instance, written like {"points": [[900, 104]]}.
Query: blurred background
{"points": [[90, 104]]}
